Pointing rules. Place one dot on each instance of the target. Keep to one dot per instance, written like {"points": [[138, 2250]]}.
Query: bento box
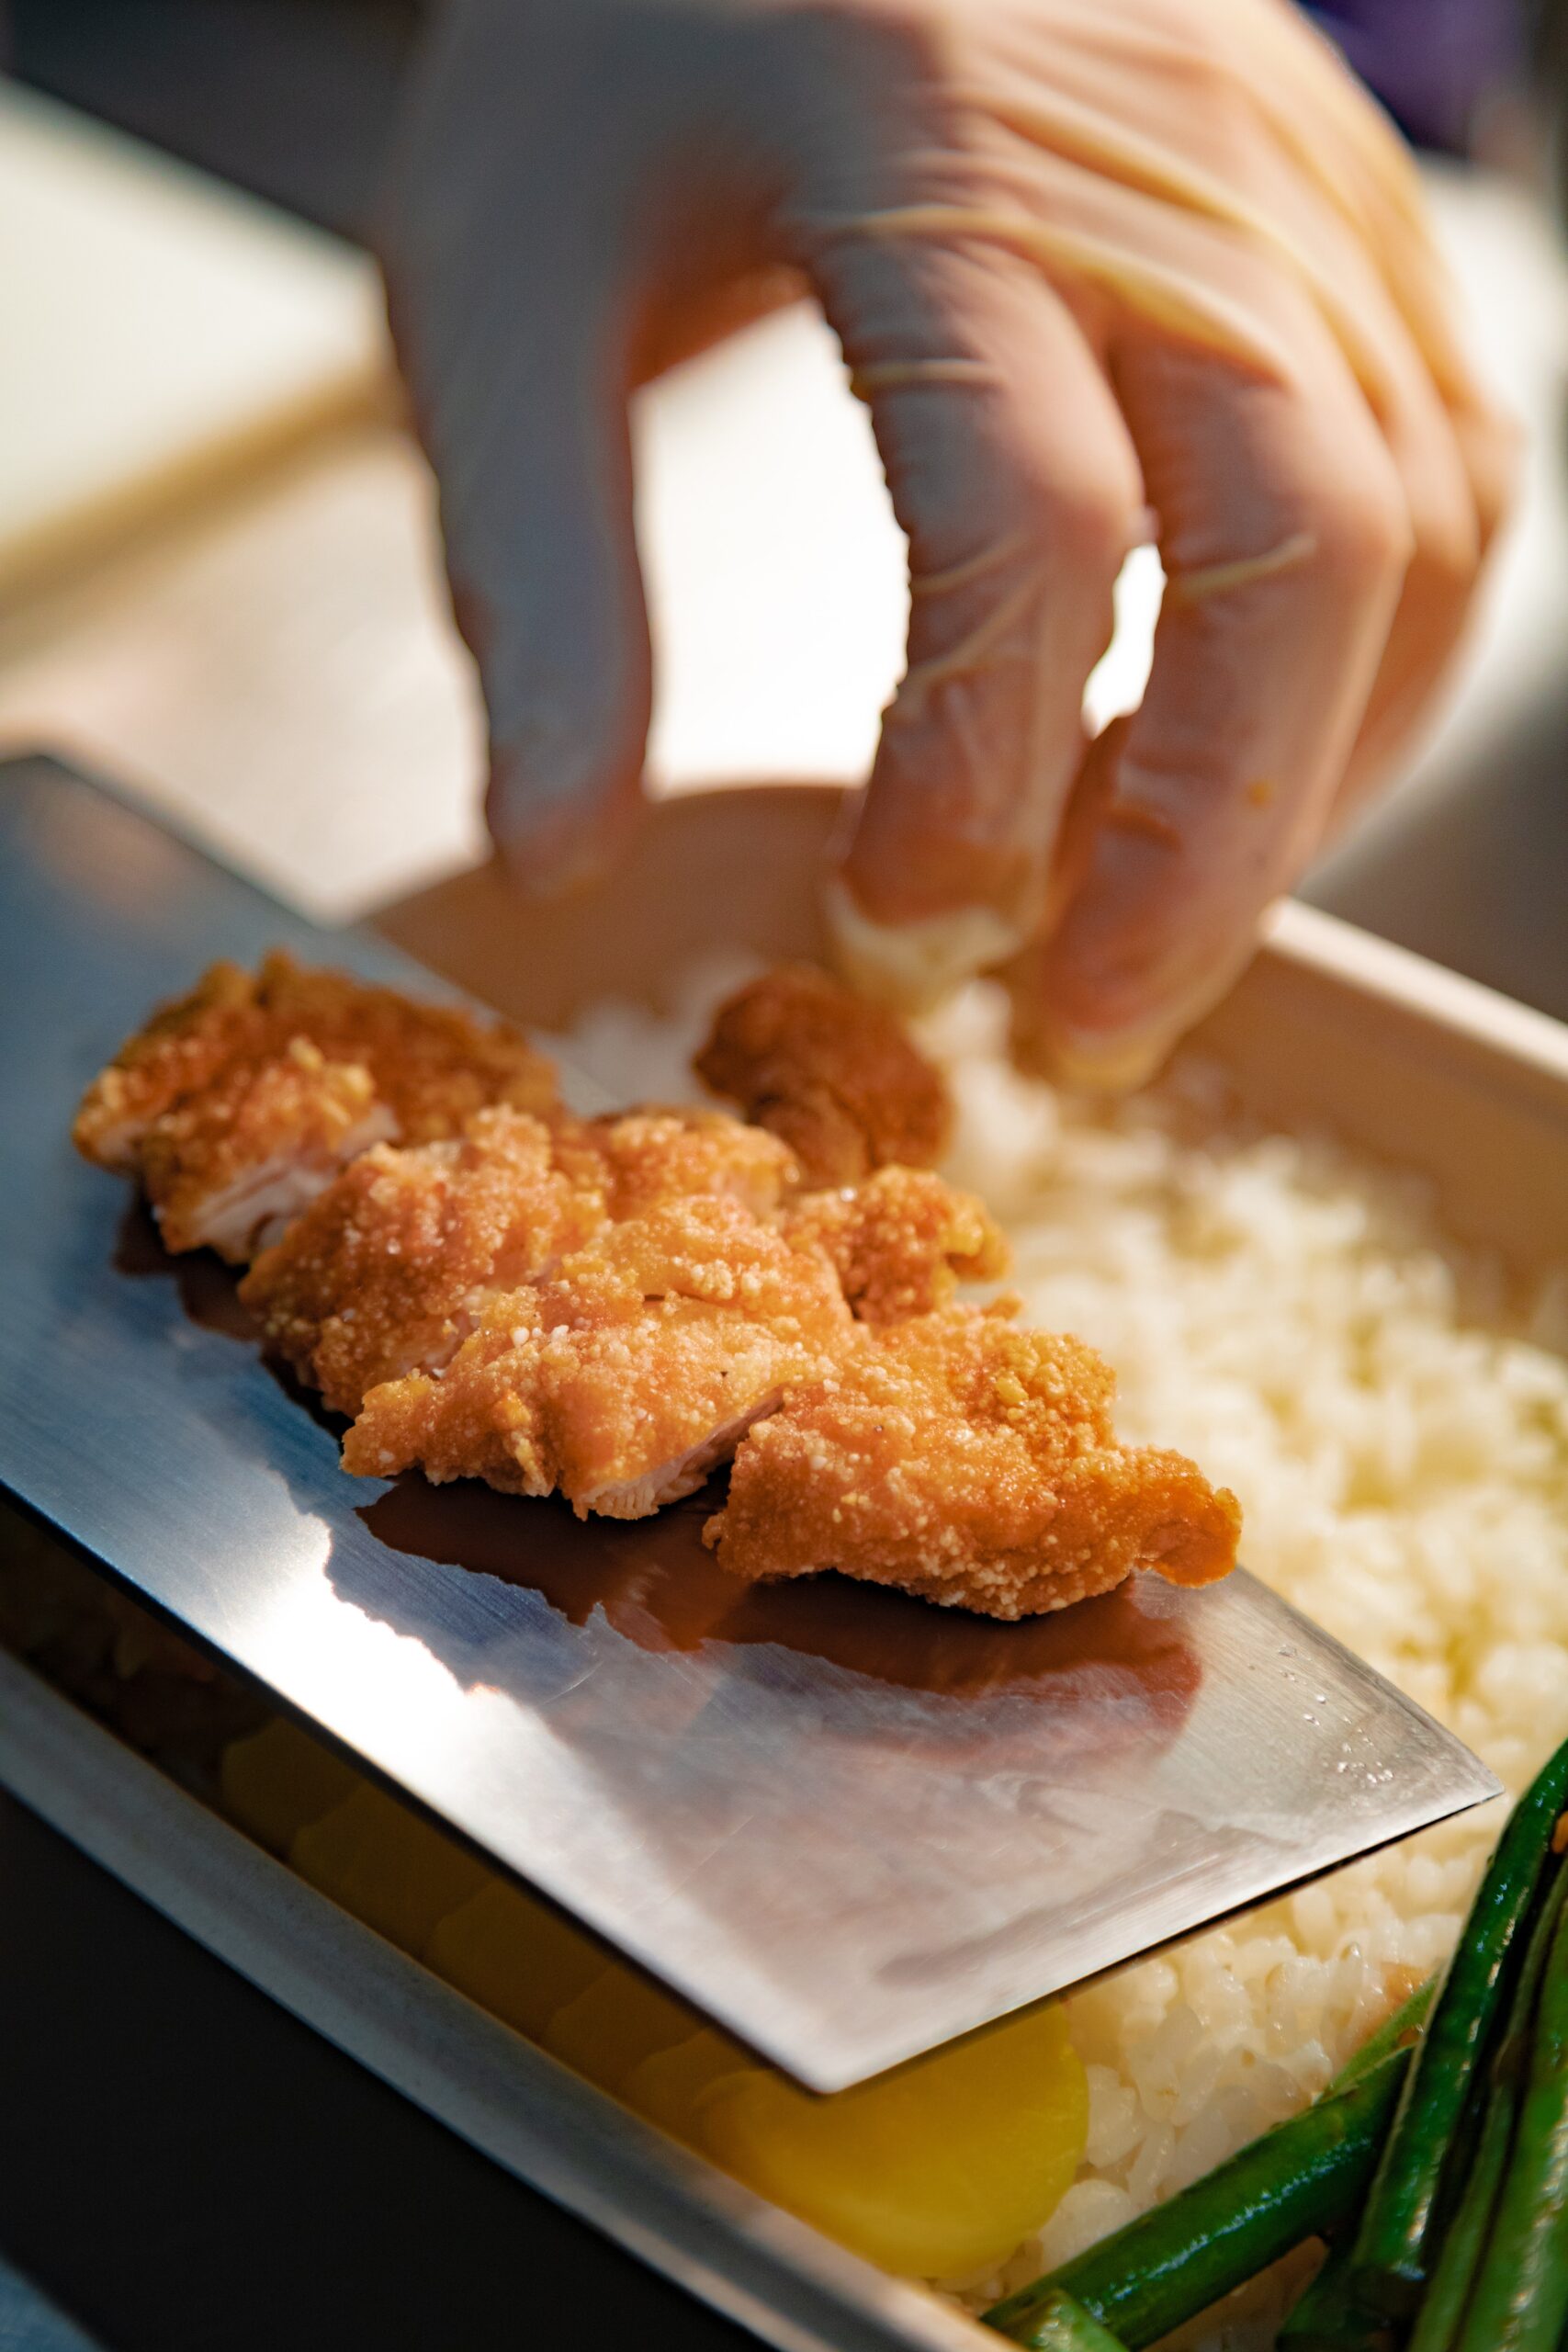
{"points": [[1329, 1029]]}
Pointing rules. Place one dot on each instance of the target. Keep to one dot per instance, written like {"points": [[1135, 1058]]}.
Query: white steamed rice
{"points": [[1397, 1431]]}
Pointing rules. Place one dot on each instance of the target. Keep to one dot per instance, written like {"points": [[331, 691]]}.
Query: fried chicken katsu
{"points": [[901, 1242], [238, 1104], [609, 1308], [621, 1379], [974, 1465], [231, 1165], [837, 1079], [389, 1270]]}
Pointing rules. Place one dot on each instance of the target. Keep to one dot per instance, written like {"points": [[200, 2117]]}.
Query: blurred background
{"points": [[220, 588]]}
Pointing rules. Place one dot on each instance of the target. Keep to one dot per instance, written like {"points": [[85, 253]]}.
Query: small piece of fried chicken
{"points": [[902, 1242], [389, 1270], [239, 1103], [626, 1375], [837, 1078], [974, 1465]]}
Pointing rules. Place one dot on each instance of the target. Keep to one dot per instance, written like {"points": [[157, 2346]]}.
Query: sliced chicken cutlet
{"points": [[624, 1376], [901, 1242], [228, 1168], [837, 1079], [974, 1465], [176, 1053], [238, 1104], [388, 1271]]}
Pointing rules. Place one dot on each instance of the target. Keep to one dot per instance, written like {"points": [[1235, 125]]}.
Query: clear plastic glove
{"points": [[1090, 261]]}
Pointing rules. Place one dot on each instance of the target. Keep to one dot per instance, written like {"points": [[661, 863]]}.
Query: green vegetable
{"points": [[1520, 2299], [1394, 2249], [1331, 2317], [1396, 2033], [1465, 2232], [1297, 2181], [1463, 2241], [1065, 2326]]}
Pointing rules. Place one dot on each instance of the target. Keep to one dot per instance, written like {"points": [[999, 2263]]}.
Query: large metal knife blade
{"points": [[847, 1824]]}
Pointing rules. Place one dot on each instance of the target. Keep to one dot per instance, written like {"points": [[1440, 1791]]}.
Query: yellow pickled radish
{"points": [[616, 2022], [515, 1956], [386, 1865], [666, 2089], [275, 1780], [940, 2168]]}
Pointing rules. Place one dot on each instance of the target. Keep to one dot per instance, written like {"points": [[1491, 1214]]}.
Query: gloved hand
{"points": [[1087, 259]]}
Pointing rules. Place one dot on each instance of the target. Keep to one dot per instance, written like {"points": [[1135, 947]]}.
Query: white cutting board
{"points": [[159, 330]]}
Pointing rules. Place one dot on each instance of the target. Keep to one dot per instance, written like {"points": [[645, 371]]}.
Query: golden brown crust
{"points": [[433, 1064], [239, 1102], [837, 1079], [654, 1154], [388, 1271], [902, 1242], [180, 1049], [974, 1465], [255, 1144], [622, 1378], [610, 1306]]}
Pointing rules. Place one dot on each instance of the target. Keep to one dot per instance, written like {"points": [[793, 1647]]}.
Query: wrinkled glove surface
{"points": [[1090, 262]]}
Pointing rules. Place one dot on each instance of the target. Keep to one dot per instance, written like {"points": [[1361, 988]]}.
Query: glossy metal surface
{"points": [[787, 2286], [849, 1826]]}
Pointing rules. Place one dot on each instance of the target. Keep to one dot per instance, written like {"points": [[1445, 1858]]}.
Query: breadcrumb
{"points": [[902, 1242], [624, 1376], [654, 1155], [974, 1465], [178, 1051], [239, 1103], [387, 1273], [837, 1079]]}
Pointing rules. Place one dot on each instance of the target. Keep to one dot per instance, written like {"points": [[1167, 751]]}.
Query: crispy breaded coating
{"points": [[248, 1150], [179, 1050], [239, 1103], [972, 1464], [902, 1242], [622, 1378], [610, 1307], [388, 1271], [433, 1064], [837, 1079], [653, 1154]]}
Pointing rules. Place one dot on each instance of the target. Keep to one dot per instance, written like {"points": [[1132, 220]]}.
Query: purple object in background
{"points": [[1430, 61]]}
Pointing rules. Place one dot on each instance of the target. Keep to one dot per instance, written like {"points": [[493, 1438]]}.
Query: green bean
{"points": [[1466, 2229], [1330, 2316], [1520, 2300], [1395, 2247], [1443, 2305], [1298, 2181], [1396, 2033], [1064, 2326]]}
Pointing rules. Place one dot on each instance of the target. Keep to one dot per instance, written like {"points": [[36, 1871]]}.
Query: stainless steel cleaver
{"points": [[848, 1826]]}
